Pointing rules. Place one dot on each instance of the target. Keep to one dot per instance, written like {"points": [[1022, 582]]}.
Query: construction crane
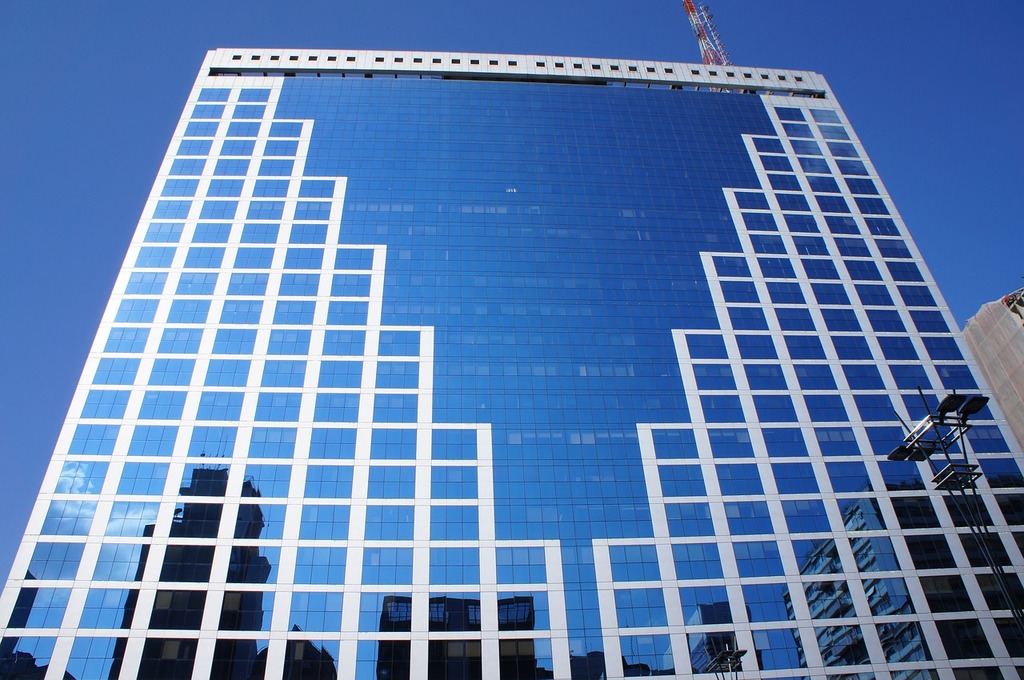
{"points": [[711, 48]]}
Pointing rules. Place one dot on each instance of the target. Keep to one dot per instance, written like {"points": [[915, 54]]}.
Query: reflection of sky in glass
{"points": [[560, 337], [131, 518], [81, 477]]}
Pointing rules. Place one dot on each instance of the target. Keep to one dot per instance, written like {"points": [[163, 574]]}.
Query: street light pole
{"points": [[940, 432], [728, 663]]}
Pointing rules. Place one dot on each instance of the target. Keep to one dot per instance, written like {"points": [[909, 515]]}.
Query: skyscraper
{"points": [[995, 335], [438, 365]]}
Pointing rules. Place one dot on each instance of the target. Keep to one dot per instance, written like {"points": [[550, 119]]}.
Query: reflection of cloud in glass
{"points": [[69, 518], [81, 477], [131, 518]]}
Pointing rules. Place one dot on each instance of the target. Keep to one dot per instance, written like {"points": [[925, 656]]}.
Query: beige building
{"points": [[996, 337]]}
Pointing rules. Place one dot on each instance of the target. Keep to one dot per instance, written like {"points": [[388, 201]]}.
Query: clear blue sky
{"points": [[91, 93]]}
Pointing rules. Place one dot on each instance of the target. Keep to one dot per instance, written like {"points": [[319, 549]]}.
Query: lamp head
{"points": [[972, 405]]}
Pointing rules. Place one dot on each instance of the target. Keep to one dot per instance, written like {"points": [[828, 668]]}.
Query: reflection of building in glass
{"points": [[303, 661], [516, 367]]}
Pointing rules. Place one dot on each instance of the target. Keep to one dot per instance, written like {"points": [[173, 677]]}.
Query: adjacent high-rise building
{"points": [[456, 366], [996, 337]]}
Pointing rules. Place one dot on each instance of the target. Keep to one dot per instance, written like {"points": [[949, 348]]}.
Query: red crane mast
{"points": [[711, 48]]}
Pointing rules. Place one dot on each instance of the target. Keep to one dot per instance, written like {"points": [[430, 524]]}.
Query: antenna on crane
{"points": [[711, 48]]}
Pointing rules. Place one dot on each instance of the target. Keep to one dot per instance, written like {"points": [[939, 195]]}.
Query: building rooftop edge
{"points": [[495, 66]]}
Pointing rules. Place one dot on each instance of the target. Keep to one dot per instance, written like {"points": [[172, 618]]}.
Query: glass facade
{"points": [[450, 375]]}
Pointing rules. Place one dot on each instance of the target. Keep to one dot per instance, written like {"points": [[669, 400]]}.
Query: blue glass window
{"points": [[810, 245], [794, 319], [180, 341], [689, 519], [265, 210], [640, 608], [730, 443], [260, 233], [765, 376], [791, 478], [942, 349], [336, 408], [776, 268], [775, 408], [752, 201], [731, 266], [956, 377], [705, 605], [300, 284], [289, 342], [334, 443], [68, 518], [706, 347], [697, 561], [792, 202], [390, 522], [81, 477], [321, 565], [241, 311], [189, 311], [341, 374], [308, 233], [322, 522], [674, 444], [234, 341], [634, 563], [162, 405], [756, 347], [196, 283], [837, 441], [395, 482], [875, 407], [212, 441], [916, 296], [804, 347], [758, 558], [187, 166], [681, 480], [279, 406], [346, 313], [842, 224], [714, 377], [220, 406], [152, 440], [393, 444], [397, 374], [454, 566], [329, 481], [762, 221], [748, 318], [454, 523], [863, 377], [247, 284], [94, 439], [126, 340], [767, 602], [146, 283], [825, 407], [227, 373], [767, 244], [227, 188], [748, 518], [722, 408], [105, 404], [739, 479], [143, 479], [784, 442]]}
